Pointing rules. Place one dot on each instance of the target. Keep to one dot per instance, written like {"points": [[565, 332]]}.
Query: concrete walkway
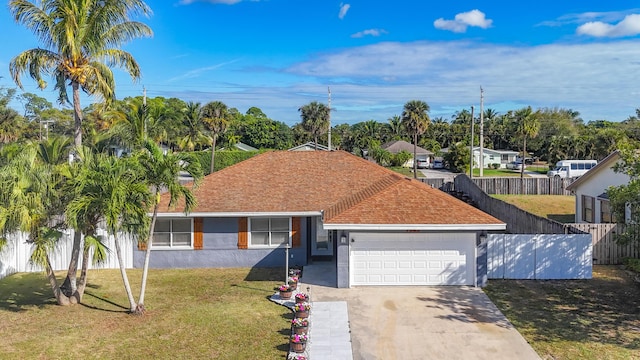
{"points": [[420, 322]]}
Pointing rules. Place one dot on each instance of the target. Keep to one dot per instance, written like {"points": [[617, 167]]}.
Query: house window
{"points": [[172, 233], [606, 216], [269, 232], [587, 208], [504, 157]]}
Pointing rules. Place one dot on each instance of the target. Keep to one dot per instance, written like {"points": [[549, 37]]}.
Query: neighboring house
{"points": [[491, 156], [377, 226], [310, 146], [243, 147], [592, 202], [397, 146]]}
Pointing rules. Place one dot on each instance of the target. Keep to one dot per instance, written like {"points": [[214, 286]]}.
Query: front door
{"points": [[322, 242]]}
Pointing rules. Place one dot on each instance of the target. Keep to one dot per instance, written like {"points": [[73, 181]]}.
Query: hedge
{"points": [[224, 158]]}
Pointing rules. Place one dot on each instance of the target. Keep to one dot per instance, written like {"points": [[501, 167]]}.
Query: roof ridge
{"points": [[355, 198]]}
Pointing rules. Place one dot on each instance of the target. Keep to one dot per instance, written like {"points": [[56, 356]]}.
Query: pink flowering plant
{"points": [[284, 288], [295, 272], [302, 307], [300, 322], [302, 296], [293, 279], [299, 338], [297, 357]]}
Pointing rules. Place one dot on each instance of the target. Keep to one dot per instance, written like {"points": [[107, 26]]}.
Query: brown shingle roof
{"points": [[347, 188]]}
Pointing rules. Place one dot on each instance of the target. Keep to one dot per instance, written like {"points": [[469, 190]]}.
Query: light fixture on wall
{"points": [[343, 239]]}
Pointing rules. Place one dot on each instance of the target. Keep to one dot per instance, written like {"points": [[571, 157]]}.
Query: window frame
{"points": [[155, 246], [606, 216], [250, 244], [591, 202]]}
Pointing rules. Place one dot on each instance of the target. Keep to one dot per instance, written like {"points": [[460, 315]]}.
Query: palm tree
{"points": [[315, 119], [395, 127], [161, 173], [216, 117], [114, 190], [193, 134], [415, 118], [81, 41], [29, 200], [528, 127]]}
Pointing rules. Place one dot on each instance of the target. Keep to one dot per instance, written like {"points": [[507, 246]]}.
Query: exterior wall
{"points": [[342, 261], [497, 158], [481, 258], [220, 249], [596, 185]]}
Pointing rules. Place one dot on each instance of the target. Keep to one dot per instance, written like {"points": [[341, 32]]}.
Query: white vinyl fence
{"points": [[542, 256], [15, 255]]}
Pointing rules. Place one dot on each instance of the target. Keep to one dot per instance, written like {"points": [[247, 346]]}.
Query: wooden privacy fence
{"points": [[606, 251], [518, 221], [525, 186], [14, 257], [548, 256]]}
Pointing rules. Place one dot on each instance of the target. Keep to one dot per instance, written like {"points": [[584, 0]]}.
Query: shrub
{"points": [[400, 158], [495, 166], [632, 264]]}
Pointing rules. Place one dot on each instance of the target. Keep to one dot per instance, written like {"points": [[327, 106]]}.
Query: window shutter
{"points": [[243, 235], [197, 233], [142, 245], [295, 232]]}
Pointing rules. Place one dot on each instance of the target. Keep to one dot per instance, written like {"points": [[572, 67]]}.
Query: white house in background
{"points": [[491, 156], [397, 146], [592, 202], [310, 146]]}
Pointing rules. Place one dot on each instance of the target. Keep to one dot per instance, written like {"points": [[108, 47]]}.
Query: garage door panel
{"points": [[412, 259]]}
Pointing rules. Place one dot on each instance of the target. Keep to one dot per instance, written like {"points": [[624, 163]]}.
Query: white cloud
{"points": [[369, 32], [344, 8], [461, 21], [581, 18], [629, 26]]}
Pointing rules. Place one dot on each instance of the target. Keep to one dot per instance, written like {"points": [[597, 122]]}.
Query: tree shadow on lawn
{"points": [[605, 310], [114, 304], [24, 290], [266, 274]]}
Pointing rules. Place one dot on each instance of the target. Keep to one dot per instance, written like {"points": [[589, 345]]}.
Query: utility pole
{"points": [[481, 132], [471, 147], [329, 133]]}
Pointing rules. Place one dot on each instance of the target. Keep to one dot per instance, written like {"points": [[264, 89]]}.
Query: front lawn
{"points": [[560, 208], [191, 314], [497, 173], [575, 319]]}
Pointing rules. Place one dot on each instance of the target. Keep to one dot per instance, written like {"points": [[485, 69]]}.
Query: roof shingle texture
{"points": [[347, 188]]}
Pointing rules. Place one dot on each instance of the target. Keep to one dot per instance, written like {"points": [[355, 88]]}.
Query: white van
{"points": [[571, 168]]}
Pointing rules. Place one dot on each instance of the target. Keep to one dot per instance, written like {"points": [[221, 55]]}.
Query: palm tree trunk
{"points": [[69, 286], [415, 150], [123, 272], [315, 141], [524, 152], [213, 155], [77, 115], [82, 283], [61, 298], [147, 255]]}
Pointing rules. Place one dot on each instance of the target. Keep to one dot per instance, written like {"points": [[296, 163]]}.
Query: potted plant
{"points": [[301, 298], [300, 325], [296, 357], [285, 292], [302, 310], [295, 272], [293, 282], [298, 342]]}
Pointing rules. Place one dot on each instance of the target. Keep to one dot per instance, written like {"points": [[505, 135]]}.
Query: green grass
{"points": [[404, 171], [575, 319], [191, 314], [496, 173], [560, 208]]}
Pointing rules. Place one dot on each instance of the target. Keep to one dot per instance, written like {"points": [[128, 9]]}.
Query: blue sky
{"points": [[376, 55]]}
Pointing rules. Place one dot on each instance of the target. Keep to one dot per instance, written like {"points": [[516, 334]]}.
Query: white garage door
{"points": [[412, 259]]}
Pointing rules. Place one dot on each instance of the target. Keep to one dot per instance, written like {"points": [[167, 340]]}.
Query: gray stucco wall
{"points": [[220, 249], [342, 262]]}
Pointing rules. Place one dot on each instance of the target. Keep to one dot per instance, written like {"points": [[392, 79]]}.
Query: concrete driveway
{"points": [[426, 323]]}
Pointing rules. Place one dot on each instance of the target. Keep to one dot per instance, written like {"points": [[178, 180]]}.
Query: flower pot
{"points": [[300, 301], [293, 285], [298, 347], [300, 330], [286, 295], [302, 314]]}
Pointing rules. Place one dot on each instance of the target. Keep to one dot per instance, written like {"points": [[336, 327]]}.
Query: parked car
{"points": [[438, 164], [514, 165], [422, 164]]}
